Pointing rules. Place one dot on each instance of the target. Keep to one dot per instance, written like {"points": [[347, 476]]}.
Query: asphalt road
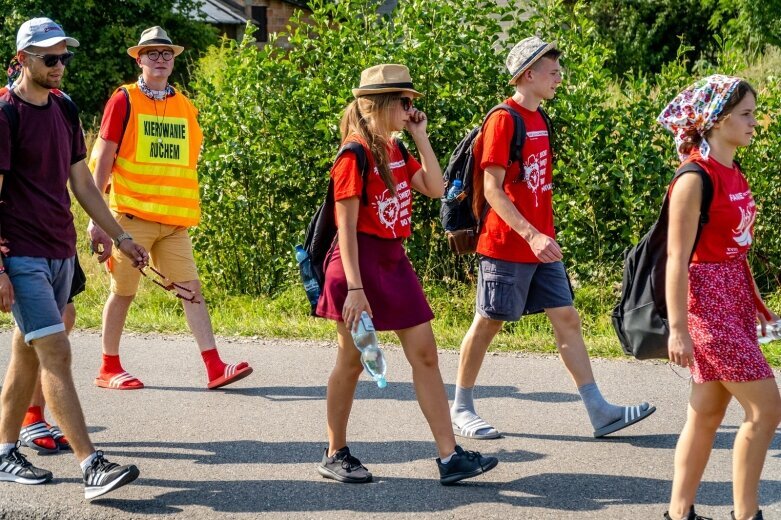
{"points": [[251, 450]]}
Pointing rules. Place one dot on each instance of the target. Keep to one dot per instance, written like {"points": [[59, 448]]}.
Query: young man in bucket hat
{"points": [[521, 270], [42, 149], [148, 147]]}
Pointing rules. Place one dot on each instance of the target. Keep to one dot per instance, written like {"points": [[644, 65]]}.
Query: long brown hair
{"points": [[743, 88], [367, 117]]}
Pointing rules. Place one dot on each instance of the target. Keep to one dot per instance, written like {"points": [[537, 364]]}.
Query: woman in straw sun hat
{"points": [[368, 270], [712, 300]]}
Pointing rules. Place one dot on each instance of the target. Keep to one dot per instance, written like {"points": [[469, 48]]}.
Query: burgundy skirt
{"points": [[722, 323], [389, 282]]}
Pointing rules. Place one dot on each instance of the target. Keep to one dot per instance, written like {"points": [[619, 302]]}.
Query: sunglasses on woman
{"points": [[406, 103], [50, 60]]}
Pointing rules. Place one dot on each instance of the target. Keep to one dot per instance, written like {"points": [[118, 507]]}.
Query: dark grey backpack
{"points": [[640, 318]]}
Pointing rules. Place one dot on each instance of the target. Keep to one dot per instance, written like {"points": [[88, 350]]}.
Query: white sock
{"points": [[447, 459], [86, 462], [6, 447]]}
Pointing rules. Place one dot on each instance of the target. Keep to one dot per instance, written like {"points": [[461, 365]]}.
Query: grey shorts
{"points": [[508, 290], [41, 289]]}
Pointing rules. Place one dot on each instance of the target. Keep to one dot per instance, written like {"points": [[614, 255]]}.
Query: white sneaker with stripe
{"points": [[103, 476], [14, 467]]}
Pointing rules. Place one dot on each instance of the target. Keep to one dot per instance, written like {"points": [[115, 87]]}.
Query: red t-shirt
{"points": [[386, 216], [112, 124], [730, 228], [531, 193]]}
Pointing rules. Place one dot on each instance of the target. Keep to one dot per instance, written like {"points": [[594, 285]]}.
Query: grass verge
{"points": [[286, 314]]}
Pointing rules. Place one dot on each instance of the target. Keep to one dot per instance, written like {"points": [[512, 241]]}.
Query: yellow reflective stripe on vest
{"points": [[118, 202], [155, 171], [156, 189]]}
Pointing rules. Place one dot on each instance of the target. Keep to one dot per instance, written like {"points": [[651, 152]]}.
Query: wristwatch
{"points": [[123, 236]]}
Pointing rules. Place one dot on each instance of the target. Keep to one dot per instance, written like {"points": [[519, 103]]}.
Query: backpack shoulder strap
{"points": [[519, 131], [549, 125], [12, 116], [402, 148], [707, 187], [127, 114], [71, 110], [363, 165], [707, 198]]}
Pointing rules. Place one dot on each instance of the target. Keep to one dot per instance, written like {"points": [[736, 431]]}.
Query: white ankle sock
{"points": [[447, 459], [6, 447], [86, 462]]}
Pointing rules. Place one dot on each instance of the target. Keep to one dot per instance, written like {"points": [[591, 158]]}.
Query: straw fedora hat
{"points": [[525, 54], [154, 37], [387, 77]]}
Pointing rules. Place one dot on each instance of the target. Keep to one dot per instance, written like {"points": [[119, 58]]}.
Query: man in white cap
{"points": [[148, 149], [521, 270], [42, 149]]}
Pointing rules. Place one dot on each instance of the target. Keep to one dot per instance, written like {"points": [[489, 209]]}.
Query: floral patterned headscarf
{"points": [[697, 108]]}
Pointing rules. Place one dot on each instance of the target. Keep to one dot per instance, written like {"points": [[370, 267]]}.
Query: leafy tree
{"points": [[270, 117], [646, 34], [105, 29], [754, 24]]}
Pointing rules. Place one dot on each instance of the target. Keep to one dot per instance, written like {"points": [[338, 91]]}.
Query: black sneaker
{"points": [[691, 516], [757, 516], [344, 467], [464, 464], [14, 467], [103, 476]]}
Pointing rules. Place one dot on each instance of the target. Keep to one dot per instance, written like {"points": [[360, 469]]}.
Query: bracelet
{"points": [[355, 289]]}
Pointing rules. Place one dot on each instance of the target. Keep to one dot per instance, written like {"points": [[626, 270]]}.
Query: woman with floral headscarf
{"points": [[712, 300]]}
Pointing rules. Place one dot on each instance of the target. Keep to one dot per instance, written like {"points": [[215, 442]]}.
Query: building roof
{"points": [[223, 12]]}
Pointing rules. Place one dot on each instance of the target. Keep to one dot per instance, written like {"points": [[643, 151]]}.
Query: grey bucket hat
{"points": [[525, 54]]}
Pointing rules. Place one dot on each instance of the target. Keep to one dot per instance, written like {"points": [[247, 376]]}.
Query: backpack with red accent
{"points": [[462, 216]]}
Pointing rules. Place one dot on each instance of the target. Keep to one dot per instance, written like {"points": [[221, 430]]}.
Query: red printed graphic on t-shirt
{"points": [[729, 231], [530, 190], [386, 215]]}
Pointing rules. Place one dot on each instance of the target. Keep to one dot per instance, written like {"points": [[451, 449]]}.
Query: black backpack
{"points": [[640, 318], [321, 231], [458, 216]]}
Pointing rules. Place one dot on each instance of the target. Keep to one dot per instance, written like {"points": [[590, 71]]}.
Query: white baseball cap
{"points": [[42, 32]]}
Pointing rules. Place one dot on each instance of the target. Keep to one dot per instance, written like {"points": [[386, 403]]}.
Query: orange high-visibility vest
{"points": [[154, 176]]}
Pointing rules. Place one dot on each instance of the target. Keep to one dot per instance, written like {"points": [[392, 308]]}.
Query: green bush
{"points": [[271, 117]]}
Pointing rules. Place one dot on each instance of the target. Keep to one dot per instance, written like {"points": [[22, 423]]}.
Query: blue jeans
{"points": [[41, 290]]}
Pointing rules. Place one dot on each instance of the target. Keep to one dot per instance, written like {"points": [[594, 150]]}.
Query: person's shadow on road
{"points": [[397, 391], [555, 491]]}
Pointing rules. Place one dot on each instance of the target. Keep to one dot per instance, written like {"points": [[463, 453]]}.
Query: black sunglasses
{"points": [[155, 55], [406, 103], [50, 60]]}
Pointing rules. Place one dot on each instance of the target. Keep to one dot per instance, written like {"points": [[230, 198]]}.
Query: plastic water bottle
{"points": [[456, 191], [772, 332], [308, 277], [371, 355]]}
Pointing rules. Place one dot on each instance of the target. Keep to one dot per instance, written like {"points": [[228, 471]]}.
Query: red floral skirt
{"points": [[722, 323]]}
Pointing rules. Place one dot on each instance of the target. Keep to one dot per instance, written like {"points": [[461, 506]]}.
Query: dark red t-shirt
{"points": [[386, 216], [730, 228], [35, 216], [531, 193]]}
